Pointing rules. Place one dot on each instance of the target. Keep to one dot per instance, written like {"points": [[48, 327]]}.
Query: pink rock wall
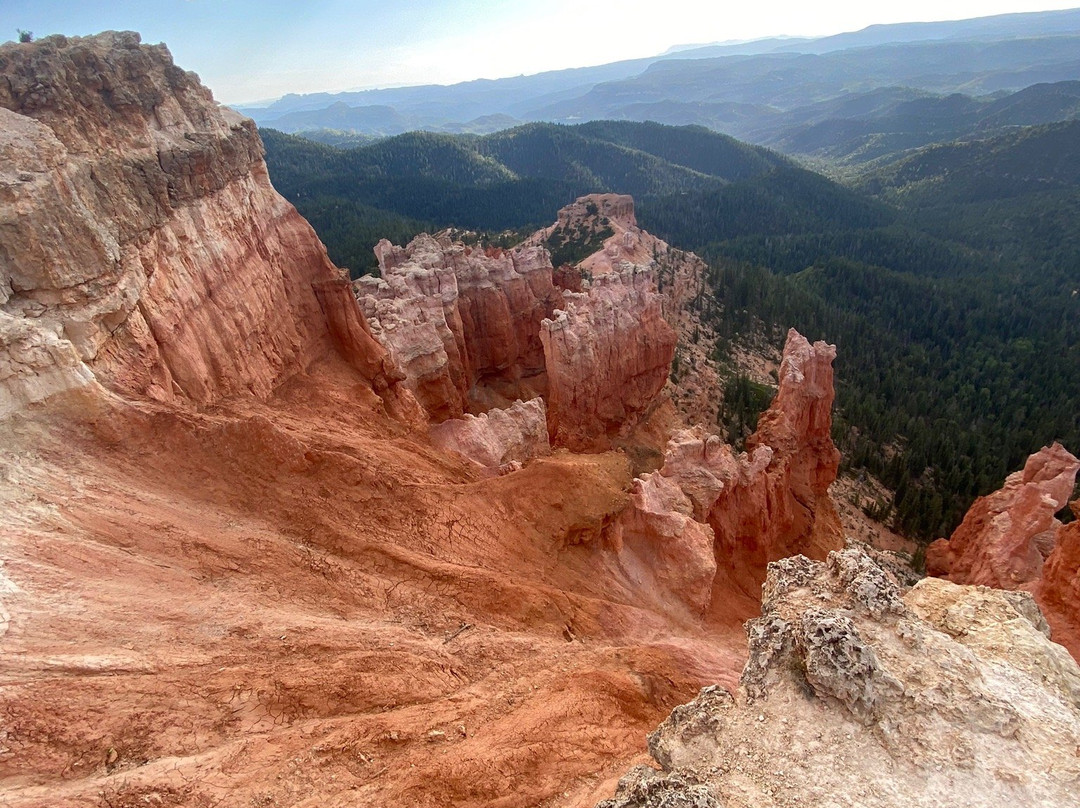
{"points": [[608, 353], [141, 242]]}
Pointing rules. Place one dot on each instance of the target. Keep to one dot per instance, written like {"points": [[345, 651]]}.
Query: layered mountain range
{"points": [[447, 536], [766, 91]]}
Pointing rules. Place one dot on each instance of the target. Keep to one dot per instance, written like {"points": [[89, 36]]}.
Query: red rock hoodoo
{"points": [[472, 329], [1006, 536], [608, 353], [461, 323]]}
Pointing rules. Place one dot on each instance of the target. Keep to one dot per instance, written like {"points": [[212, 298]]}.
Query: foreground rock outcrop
{"points": [[708, 509], [142, 245], [857, 694]]}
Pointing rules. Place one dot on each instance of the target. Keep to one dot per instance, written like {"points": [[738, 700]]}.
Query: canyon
{"points": [[452, 535]]}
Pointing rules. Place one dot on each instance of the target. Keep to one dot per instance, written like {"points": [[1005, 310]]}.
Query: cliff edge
{"points": [[141, 244]]}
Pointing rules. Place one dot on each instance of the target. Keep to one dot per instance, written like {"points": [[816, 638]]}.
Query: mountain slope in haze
{"points": [[791, 80], [863, 127], [745, 80]]}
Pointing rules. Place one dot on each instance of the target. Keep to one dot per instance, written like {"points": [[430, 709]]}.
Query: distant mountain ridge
{"points": [[736, 88]]}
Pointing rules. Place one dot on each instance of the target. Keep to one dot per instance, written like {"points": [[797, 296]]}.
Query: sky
{"points": [[253, 50]]}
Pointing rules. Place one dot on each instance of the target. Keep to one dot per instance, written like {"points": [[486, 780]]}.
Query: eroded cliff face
{"points": [[461, 323], [679, 277], [788, 507], [608, 352], [1011, 540], [709, 521], [856, 693], [1058, 589], [141, 243], [471, 329]]}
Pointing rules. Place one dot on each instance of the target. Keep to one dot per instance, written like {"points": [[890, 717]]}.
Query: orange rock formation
{"points": [[708, 522], [231, 577], [143, 245], [1011, 539], [608, 352], [228, 576], [462, 324], [471, 329], [1058, 589], [1006, 536]]}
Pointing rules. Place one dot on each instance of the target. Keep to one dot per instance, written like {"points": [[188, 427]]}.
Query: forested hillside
{"points": [[946, 277]]}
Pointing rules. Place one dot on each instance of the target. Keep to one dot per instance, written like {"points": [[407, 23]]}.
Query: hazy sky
{"points": [[247, 50]]}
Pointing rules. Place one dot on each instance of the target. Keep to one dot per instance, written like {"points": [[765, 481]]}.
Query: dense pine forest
{"points": [[948, 276]]}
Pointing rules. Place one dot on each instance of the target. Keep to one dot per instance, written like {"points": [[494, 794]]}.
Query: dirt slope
{"points": [[296, 603]]}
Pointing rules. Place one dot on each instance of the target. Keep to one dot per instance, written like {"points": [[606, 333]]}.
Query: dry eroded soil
{"points": [[298, 602]]}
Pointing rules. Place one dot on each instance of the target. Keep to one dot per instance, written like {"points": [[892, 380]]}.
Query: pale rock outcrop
{"points": [[141, 243], [499, 439], [608, 352], [1006, 536], [708, 508], [857, 694], [461, 321], [659, 541], [663, 536]]}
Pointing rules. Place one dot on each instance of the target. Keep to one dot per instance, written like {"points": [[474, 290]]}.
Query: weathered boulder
{"points": [[498, 439], [141, 243]]}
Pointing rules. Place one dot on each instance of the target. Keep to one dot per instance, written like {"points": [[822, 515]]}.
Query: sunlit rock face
{"points": [[142, 244], [461, 323], [499, 439]]}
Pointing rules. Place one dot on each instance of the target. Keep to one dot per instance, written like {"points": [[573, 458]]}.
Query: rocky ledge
{"points": [[857, 694]]}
